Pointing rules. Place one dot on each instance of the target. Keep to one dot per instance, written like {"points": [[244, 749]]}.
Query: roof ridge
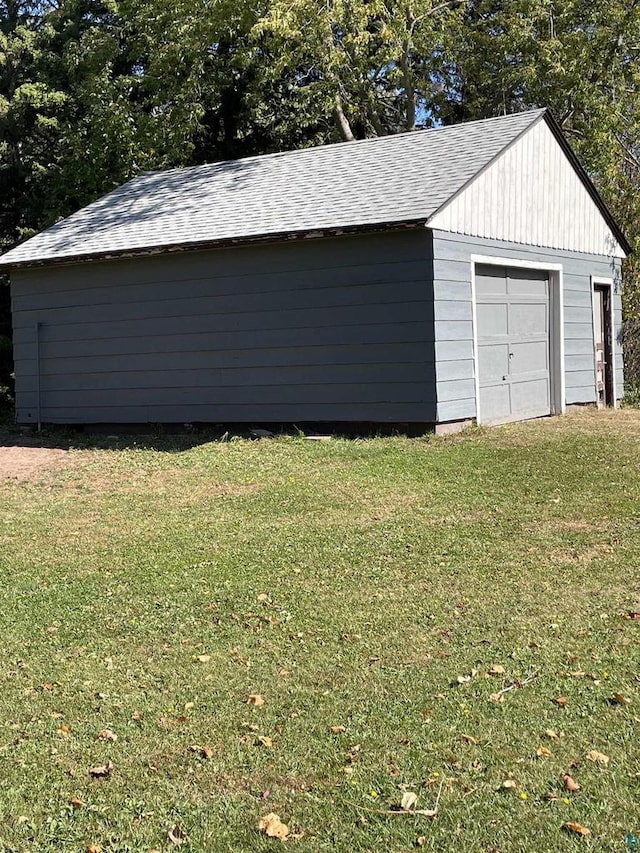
{"points": [[406, 134]]}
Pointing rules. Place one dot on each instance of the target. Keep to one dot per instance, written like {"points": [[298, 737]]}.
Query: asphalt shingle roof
{"points": [[392, 179]]}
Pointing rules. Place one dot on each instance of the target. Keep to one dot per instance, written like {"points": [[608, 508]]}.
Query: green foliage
{"points": [[581, 59], [93, 92], [370, 67]]}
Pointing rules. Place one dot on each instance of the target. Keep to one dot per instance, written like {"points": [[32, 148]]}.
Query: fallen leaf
{"points": [[561, 701], [598, 757], [265, 741], [496, 669], [497, 697], [543, 752], [107, 734], [263, 597], [272, 826], [421, 841], [409, 800], [551, 733], [570, 784], [202, 751], [64, 730], [470, 739], [578, 828], [101, 772], [336, 730], [619, 699], [203, 658], [76, 802], [255, 699], [137, 716], [631, 614], [177, 835], [463, 679], [509, 784], [93, 848]]}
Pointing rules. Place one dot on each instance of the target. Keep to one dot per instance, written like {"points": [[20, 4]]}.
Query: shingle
{"points": [[385, 180]]}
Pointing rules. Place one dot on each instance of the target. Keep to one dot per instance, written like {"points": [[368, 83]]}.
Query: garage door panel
{"points": [[528, 283], [493, 319], [496, 404], [537, 289], [493, 361], [491, 282], [529, 357], [528, 319], [531, 399]]}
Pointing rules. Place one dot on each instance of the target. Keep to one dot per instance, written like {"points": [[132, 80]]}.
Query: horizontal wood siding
{"points": [[454, 338], [333, 330]]}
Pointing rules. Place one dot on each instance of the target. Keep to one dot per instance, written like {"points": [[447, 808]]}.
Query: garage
{"points": [[438, 278], [513, 313]]}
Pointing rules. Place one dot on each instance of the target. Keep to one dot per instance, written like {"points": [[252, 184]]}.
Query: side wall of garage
{"points": [[454, 337], [316, 330]]}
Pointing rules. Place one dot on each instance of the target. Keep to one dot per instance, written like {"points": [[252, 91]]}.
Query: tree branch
{"points": [[341, 120]]}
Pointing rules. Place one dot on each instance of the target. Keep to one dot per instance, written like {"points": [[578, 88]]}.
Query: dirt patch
{"points": [[182, 484], [24, 463], [588, 555]]}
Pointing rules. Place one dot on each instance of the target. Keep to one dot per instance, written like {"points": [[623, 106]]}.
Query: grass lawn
{"points": [[388, 588]]}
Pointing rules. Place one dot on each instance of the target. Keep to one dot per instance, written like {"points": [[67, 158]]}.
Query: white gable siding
{"points": [[531, 195]]}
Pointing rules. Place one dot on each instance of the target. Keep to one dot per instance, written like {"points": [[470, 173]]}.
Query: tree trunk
{"points": [[410, 92], [342, 121]]}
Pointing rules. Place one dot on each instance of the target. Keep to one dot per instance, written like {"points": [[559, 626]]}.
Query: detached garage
{"points": [[459, 273]]}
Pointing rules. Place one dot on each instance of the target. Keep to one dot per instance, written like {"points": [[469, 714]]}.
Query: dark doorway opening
{"points": [[603, 344]]}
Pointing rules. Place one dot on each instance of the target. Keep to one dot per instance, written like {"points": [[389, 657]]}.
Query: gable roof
{"points": [[391, 181]]}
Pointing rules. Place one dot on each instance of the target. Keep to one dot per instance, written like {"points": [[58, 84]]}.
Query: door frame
{"points": [[556, 325], [601, 282]]}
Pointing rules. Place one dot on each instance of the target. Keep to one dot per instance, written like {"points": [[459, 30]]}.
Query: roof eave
{"points": [[179, 248]]}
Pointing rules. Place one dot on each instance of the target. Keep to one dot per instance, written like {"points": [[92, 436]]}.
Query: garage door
{"points": [[512, 309]]}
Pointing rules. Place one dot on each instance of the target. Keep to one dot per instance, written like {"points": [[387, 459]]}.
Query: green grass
{"points": [[349, 583]]}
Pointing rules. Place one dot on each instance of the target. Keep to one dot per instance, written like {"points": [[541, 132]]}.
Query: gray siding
{"points": [[333, 330], [454, 325]]}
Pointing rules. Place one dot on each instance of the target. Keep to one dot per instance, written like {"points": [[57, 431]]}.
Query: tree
{"points": [[93, 92], [581, 59], [368, 67]]}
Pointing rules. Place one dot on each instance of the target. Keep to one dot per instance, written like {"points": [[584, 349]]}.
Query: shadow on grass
{"points": [[176, 438]]}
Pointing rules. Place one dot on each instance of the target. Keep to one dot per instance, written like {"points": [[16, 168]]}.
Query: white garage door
{"points": [[512, 310]]}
